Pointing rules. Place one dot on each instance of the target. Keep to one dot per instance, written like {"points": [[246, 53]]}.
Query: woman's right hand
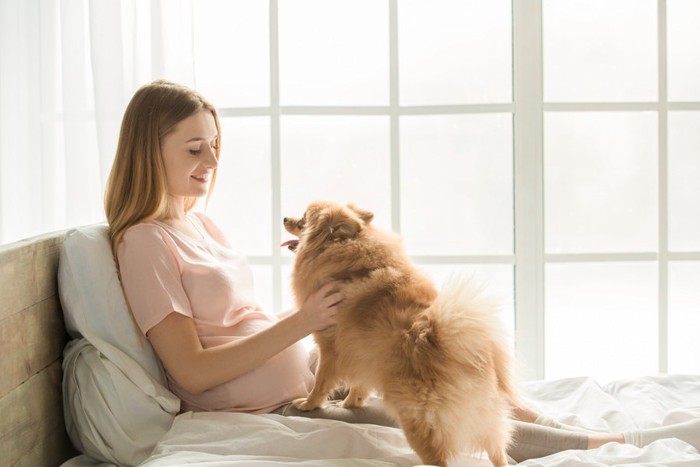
{"points": [[319, 310], [197, 369]]}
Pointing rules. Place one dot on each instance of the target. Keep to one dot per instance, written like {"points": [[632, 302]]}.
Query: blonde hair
{"points": [[137, 188]]}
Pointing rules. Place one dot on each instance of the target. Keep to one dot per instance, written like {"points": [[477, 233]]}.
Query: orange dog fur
{"points": [[438, 359]]}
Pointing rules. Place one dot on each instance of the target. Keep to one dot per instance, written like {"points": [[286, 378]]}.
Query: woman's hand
{"points": [[197, 369], [319, 310]]}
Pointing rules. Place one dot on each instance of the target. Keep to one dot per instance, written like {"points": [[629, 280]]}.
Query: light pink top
{"points": [[165, 271]]}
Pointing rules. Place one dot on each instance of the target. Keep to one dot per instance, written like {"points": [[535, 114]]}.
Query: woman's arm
{"points": [[196, 369]]}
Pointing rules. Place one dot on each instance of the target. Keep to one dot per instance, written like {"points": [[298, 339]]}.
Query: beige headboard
{"points": [[32, 337]]}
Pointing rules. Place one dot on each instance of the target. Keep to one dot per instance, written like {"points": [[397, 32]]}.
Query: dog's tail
{"points": [[467, 319]]}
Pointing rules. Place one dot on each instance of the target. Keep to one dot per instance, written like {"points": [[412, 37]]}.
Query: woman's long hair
{"points": [[137, 188]]}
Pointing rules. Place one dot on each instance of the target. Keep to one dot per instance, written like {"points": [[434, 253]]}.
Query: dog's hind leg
{"points": [[494, 440], [428, 441], [498, 459], [357, 397], [497, 433]]}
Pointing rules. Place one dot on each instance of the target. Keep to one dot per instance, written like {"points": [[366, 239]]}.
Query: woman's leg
{"points": [[373, 413], [525, 414], [687, 431], [531, 441]]}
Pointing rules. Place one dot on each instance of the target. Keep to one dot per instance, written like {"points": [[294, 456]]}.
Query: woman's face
{"points": [[189, 155]]}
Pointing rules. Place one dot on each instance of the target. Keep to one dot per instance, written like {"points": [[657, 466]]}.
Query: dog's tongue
{"points": [[288, 243]]}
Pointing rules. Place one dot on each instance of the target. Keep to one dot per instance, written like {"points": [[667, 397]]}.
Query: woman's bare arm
{"points": [[196, 369]]}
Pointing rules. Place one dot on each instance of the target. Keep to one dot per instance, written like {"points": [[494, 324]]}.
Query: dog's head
{"points": [[326, 221]]}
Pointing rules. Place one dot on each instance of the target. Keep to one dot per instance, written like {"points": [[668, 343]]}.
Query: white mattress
{"points": [[268, 440]]}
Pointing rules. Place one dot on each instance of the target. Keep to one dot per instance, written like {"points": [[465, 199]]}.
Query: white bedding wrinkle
{"points": [[252, 440], [239, 439], [666, 453], [666, 400]]}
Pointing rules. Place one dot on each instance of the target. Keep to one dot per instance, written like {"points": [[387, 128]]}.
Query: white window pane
{"points": [[339, 158], [600, 50], [334, 52], [262, 278], [601, 320], [232, 51], [600, 182], [457, 184], [684, 317], [683, 17], [241, 204], [496, 279], [683, 176], [454, 51]]}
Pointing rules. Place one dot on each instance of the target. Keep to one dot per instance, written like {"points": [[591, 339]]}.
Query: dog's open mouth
{"points": [[291, 244]]}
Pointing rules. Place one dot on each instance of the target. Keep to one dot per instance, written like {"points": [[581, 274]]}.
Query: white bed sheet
{"points": [[229, 439]]}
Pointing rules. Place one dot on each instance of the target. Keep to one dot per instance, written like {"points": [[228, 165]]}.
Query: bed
{"points": [[81, 387]]}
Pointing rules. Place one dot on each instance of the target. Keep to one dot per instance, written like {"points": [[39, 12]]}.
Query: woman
{"points": [[191, 294]]}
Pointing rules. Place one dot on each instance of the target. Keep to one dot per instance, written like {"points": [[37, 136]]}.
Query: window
{"points": [[549, 148]]}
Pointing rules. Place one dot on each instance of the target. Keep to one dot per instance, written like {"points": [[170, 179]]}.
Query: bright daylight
{"points": [[457, 233]]}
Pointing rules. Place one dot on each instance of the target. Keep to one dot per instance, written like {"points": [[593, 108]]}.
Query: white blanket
{"points": [[269, 440]]}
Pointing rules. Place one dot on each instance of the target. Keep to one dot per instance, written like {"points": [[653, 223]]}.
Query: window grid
{"points": [[393, 111], [663, 187], [662, 256], [528, 174], [528, 109]]}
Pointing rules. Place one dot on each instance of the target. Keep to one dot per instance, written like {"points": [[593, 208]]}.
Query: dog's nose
{"points": [[284, 221]]}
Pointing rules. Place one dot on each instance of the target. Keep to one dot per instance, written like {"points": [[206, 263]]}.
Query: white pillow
{"points": [[92, 298], [114, 411], [116, 403]]}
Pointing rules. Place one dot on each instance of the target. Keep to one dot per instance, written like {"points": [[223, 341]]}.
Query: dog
{"points": [[438, 360]]}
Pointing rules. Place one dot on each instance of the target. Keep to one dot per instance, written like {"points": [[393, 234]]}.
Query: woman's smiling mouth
{"points": [[201, 178]]}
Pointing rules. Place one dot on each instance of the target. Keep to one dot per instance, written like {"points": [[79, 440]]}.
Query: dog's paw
{"points": [[352, 402], [304, 405]]}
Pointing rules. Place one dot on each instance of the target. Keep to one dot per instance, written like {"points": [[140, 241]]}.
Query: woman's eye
{"points": [[195, 152]]}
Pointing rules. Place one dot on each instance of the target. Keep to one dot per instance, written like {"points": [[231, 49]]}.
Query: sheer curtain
{"points": [[68, 69]]}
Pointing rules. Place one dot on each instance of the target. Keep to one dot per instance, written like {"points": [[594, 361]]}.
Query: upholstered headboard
{"points": [[32, 337]]}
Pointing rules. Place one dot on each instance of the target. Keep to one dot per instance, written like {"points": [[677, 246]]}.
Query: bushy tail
{"points": [[467, 319], [460, 348]]}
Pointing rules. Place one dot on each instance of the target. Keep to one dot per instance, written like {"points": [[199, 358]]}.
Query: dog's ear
{"points": [[363, 214], [343, 226]]}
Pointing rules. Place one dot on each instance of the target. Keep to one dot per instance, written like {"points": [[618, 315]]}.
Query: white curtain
{"points": [[67, 71]]}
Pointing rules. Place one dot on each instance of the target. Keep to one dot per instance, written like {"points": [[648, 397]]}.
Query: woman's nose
{"points": [[212, 161]]}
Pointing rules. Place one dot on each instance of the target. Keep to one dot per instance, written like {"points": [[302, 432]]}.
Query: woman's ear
{"points": [[363, 214]]}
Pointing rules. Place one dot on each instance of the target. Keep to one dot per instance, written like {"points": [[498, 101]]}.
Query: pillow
{"points": [[114, 411], [92, 298], [116, 404]]}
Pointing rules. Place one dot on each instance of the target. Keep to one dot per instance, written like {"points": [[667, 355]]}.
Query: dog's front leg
{"points": [[327, 379]]}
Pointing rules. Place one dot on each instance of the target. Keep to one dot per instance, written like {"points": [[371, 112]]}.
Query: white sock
{"points": [[687, 431], [550, 422]]}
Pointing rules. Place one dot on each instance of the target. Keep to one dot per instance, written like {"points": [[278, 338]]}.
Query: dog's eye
{"points": [[301, 223]]}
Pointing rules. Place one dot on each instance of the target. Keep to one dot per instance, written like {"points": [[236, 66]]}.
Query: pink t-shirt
{"points": [[165, 271]]}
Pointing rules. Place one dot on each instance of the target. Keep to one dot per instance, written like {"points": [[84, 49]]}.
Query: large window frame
{"points": [[528, 110]]}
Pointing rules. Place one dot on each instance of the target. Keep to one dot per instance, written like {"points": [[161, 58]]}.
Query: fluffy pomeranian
{"points": [[439, 360]]}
